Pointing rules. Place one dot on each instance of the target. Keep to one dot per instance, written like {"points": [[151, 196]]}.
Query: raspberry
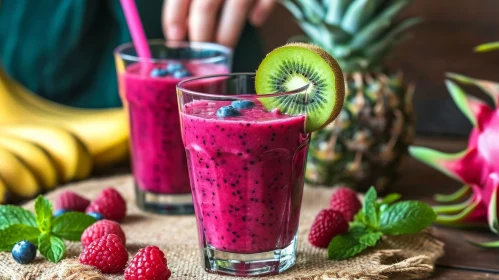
{"points": [[110, 204], [326, 226], [100, 229], [149, 263], [71, 201], [346, 201], [107, 254]]}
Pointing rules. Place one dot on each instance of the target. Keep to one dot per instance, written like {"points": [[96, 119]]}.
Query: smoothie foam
{"points": [[246, 175]]}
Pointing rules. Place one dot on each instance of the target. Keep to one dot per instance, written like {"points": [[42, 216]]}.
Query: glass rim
{"points": [[181, 88], [226, 51]]}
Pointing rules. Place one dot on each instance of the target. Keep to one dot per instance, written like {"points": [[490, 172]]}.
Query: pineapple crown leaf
{"points": [[358, 33]]}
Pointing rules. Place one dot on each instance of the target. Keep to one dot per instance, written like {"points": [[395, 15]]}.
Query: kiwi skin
{"points": [[338, 77]]}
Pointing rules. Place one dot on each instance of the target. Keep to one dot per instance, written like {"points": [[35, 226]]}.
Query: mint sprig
{"points": [[41, 228], [376, 219], [12, 215]]}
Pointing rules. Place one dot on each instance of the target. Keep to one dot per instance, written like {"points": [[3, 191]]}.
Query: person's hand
{"points": [[220, 21]]}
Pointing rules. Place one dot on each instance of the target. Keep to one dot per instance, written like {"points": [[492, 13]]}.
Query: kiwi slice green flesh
{"points": [[293, 66]]}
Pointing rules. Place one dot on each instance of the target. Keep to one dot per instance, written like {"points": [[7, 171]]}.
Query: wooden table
{"points": [[461, 260]]}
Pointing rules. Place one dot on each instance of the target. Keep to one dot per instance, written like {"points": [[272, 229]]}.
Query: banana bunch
{"points": [[44, 144]]}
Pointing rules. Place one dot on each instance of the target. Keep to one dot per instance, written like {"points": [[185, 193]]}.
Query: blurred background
{"points": [[442, 43]]}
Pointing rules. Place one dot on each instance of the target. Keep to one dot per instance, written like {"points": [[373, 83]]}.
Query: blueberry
{"points": [[159, 72], [59, 212], [227, 111], [181, 73], [97, 216], [174, 66], [243, 104], [24, 252]]}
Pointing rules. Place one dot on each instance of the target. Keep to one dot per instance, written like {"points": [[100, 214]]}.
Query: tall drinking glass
{"points": [[246, 164], [147, 88]]}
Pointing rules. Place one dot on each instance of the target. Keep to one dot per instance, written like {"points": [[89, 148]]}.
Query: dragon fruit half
{"points": [[477, 166]]}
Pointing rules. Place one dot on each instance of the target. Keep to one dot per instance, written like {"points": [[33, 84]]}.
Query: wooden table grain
{"points": [[461, 260]]}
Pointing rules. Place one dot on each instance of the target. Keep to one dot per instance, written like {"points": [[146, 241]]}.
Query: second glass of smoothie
{"points": [[148, 91], [246, 163]]}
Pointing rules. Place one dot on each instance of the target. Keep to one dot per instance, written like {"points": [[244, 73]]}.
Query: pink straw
{"points": [[136, 30]]}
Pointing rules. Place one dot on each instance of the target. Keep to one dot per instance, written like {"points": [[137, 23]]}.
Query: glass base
{"points": [[258, 264], [171, 204]]}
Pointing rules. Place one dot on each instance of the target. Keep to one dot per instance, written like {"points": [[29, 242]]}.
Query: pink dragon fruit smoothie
{"points": [[158, 159], [246, 173], [246, 166], [157, 156]]}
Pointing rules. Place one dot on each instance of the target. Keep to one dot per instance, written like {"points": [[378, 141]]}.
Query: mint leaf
{"points": [[12, 234], [370, 213], [51, 247], [43, 211], [12, 215], [371, 238], [406, 217], [347, 245], [71, 225], [391, 198]]}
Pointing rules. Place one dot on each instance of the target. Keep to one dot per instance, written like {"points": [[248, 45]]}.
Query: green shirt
{"points": [[63, 49]]}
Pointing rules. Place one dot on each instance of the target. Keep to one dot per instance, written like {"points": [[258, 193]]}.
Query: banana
{"points": [[98, 130], [17, 176], [3, 192], [116, 154], [35, 158], [71, 157]]}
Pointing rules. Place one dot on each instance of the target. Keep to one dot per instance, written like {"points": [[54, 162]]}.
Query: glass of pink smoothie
{"points": [[147, 88], [246, 164]]}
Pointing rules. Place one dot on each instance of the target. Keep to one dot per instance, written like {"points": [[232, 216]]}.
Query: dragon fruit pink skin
{"points": [[477, 166]]}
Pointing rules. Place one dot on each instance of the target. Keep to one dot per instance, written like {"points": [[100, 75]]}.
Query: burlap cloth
{"points": [[408, 257]]}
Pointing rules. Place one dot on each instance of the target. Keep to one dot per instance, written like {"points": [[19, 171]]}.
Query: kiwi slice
{"points": [[293, 66]]}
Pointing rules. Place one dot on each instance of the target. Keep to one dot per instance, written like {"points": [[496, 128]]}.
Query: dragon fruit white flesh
{"points": [[477, 166]]}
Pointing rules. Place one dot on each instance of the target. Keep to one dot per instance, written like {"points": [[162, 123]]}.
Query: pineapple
{"points": [[365, 145]]}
